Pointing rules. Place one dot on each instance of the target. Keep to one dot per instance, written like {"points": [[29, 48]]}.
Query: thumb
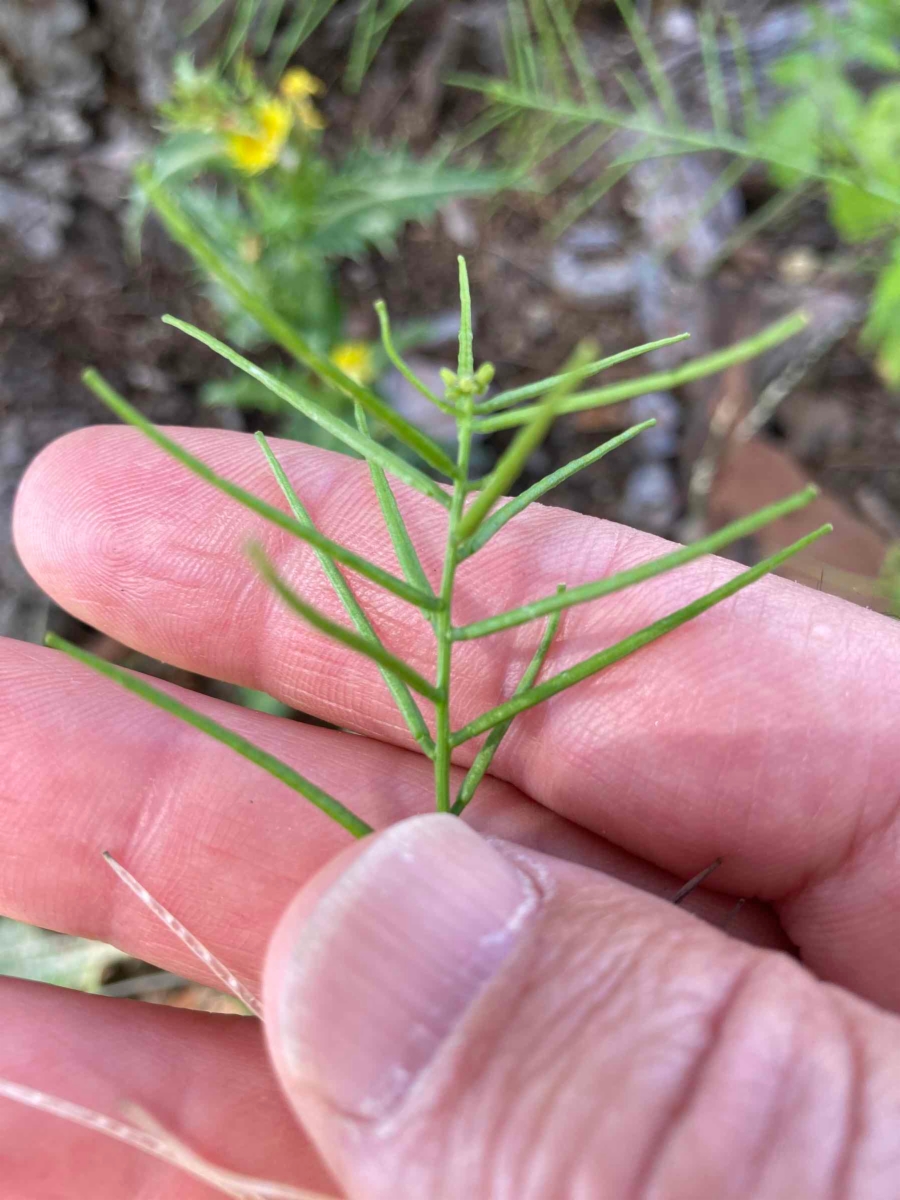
{"points": [[454, 1018]]}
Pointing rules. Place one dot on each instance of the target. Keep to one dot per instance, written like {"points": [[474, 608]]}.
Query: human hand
{"points": [[452, 1017]]}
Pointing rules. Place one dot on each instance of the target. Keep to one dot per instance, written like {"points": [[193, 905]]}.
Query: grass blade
{"points": [[485, 756], [374, 650], [644, 46], [697, 368], [625, 579], [306, 20], [712, 67], [530, 390], [750, 110], [185, 232], [497, 520], [259, 757], [364, 445], [334, 550], [407, 706], [606, 658]]}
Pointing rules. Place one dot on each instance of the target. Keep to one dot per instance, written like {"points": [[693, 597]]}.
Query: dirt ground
{"points": [[70, 296]]}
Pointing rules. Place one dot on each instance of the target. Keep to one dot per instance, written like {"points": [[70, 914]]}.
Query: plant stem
{"points": [[443, 626]]}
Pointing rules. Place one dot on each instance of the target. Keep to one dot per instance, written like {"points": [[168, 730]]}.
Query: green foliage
{"points": [[30, 953], [280, 27], [245, 165], [472, 521], [825, 132]]}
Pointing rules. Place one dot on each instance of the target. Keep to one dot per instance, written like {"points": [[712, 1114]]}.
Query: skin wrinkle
{"points": [[854, 1125], [691, 1085]]}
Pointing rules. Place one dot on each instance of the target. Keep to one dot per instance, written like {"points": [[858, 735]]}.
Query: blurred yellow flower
{"points": [[297, 84], [356, 360], [259, 150]]}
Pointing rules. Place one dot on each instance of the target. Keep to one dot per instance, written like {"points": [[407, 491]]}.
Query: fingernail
{"points": [[391, 958]]}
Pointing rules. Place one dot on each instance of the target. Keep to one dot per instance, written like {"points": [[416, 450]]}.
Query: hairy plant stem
{"points": [[443, 625]]}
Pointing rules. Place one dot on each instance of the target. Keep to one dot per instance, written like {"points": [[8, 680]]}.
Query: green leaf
{"points": [[625, 579], [261, 758], [402, 698], [530, 390], [605, 658], [393, 519], [208, 256], [338, 553], [512, 508], [369, 647], [408, 374], [697, 368], [364, 445], [466, 361], [485, 756], [882, 329]]}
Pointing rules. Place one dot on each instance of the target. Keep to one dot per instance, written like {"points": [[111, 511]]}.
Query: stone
{"points": [[590, 267], [459, 224], [665, 192], [11, 101], [651, 499], [35, 221], [668, 304], [679, 26]]}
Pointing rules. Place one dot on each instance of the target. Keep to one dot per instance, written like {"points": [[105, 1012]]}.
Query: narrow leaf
{"points": [[697, 368], [338, 553], [406, 553], [408, 374], [625, 579], [261, 758], [364, 445], [512, 461], [530, 390], [485, 756], [512, 508], [466, 364], [750, 110], [712, 66], [186, 233], [407, 706], [661, 85], [340, 633], [605, 658]]}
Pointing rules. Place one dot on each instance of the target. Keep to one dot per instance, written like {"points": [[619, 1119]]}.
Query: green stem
{"points": [[443, 625]]}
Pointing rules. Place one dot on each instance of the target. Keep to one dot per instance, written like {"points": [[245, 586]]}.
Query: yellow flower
{"points": [[308, 114], [356, 360], [297, 84], [259, 150]]}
